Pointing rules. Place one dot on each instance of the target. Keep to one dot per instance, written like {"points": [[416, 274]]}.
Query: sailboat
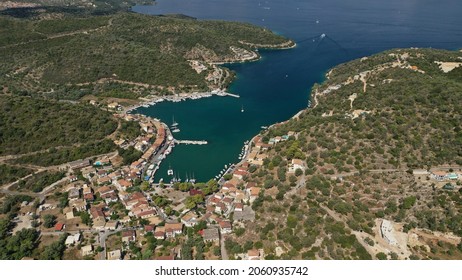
{"points": [[170, 171], [173, 122], [242, 109], [192, 180]]}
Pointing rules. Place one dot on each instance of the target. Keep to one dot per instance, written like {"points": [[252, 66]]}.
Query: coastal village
{"points": [[115, 210], [110, 206]]}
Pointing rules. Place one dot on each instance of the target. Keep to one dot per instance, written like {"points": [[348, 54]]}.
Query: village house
{"points": [[137, 164], [114, 255], [103, 181], [189, 219], [194, 192], [296, 164], [227, 201], [214, 200], [123, 184], [111, 225], [439, 175], [87, 171], [110, 197], [108, 194], [227, 186], [173, 229], [89, 197], [72, 178], [73, 194], [78, 164], [149, 228], [253, 193], [159, 233], [86, 189], [96, 212], [87, 250], [145, 213], [225, 227], [238, 207], [253, 254], [211, 235], [220, 208], [72, 239], [69, 213], [239, 174], [114, 106], [78, 205], [60, 227], [135, 200], [128, 236], [99, 223], [114, 175]]}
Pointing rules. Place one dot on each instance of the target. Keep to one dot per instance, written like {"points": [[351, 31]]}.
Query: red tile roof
{"points": [[59, 226]]}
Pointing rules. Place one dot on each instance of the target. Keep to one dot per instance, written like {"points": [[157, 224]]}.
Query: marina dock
{"points": [[190, 142]]}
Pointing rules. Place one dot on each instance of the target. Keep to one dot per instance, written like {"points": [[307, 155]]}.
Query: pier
{"points": [[222, 93], [190, 142]]}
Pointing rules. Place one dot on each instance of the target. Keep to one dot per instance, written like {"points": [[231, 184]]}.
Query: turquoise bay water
{"points": [[276, 87]]}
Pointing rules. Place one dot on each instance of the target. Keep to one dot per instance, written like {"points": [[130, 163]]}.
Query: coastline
{"points": [[148, 102]]}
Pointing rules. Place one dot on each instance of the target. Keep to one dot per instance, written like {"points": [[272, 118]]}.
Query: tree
{"points": [[55, 250], [298, 172], [291, 221], [381, 256], [192, 201], [239, 231], [49, 221], [86, 219], [143, 222]]}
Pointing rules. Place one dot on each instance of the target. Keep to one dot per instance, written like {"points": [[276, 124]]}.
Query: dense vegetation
{"points": [[31, 124], [10, 174], [359, 168], [21, 244], [59, 156], [38, 182], [85, 5], [63, 58]]}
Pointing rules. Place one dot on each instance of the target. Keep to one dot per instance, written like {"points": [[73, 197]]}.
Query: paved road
{"points": [[224, 254], [102, 241]]}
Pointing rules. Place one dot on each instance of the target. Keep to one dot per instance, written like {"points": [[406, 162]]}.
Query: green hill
{"points": [[32, 124], [72, 56], [373, 121]]}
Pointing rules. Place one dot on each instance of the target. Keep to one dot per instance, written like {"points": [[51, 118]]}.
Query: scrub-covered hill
{"points": [[69, 57], [380, 155]]}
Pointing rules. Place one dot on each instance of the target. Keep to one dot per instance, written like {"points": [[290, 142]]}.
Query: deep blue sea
{"points": [[278, 86]]}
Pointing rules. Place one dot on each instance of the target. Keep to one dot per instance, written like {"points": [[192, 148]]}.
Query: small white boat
{"points": [[176, 130], [170, 171]]}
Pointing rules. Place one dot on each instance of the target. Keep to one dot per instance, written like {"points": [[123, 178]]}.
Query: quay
{"points": [[222, 93], [190, 142]]}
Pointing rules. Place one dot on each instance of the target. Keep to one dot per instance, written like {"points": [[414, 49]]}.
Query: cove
{"points": [[276, 87]]}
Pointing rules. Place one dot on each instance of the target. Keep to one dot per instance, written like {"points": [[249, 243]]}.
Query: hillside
{"points": [[30, 125], [82, 4], [113, 55], [373, 123]]}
